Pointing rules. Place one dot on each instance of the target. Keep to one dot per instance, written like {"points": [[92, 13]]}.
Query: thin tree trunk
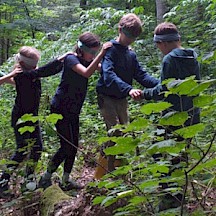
{"points": [[161, 9], [83, 3]]}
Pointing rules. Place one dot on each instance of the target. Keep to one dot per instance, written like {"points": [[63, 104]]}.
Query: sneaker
{"points": [[69, 185], [4, 189], [44, 183]]}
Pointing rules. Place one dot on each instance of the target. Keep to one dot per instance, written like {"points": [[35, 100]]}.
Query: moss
{"points": [[51, 196]]}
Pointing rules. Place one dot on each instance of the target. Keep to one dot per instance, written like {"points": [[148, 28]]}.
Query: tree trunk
{"points": [[83, 3], [161, 9]]}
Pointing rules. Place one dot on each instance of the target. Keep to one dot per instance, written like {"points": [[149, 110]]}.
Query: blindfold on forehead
{"points": [[83, 47], [128, 33], [166, 37], [26, 60]]}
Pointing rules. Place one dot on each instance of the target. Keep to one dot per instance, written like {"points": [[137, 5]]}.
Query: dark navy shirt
{"points": [[119, 68], [71, 92], [28, 88], [178, 64]]}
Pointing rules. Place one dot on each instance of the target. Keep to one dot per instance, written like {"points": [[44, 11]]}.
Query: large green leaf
{"points": [[53, 118], [190, 131], [202, 100], [169, 146], [136, 125], [155, 107], [24, 129], [123, 145], [149, 185], [182, 87], [201, 87], [28, 117], [174, 118]]}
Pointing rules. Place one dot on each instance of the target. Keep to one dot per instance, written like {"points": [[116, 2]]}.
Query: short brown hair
{"points": [[165, 28], [132, 23]]}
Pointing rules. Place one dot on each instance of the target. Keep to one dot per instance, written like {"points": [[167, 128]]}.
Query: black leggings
{"points": [[68, 132]]}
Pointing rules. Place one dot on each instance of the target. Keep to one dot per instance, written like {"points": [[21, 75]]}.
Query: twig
{"points": [[204, 155]]}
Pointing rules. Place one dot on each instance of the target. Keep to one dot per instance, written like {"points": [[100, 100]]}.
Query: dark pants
{"points": [[68, 132], [28, 144]]}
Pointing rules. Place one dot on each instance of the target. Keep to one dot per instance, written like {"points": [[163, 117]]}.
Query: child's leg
{"points": [[36, 150]]}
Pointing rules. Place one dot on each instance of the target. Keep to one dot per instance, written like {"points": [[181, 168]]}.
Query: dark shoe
{"points": [[4, 189], [44, 183], [168, 201], [69, 185]]}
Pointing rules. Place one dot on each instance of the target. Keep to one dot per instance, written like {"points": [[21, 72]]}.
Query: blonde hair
{"points": [[132, 23], [27, 57]]}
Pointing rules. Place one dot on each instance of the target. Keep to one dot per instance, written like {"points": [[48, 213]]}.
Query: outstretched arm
{"points": [[8, 78], [87, 72]]}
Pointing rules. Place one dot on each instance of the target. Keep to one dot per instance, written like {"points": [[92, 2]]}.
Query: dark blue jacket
{"points": [[71, 92], [28, 89], [119, 68], [178, 64]]}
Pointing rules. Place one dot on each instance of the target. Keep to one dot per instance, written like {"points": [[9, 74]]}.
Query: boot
{"points": [[45, 180], [68, 184]]}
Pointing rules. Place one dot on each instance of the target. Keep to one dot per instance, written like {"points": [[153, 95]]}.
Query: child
{"points": [[68, 102], [119, 68], [28, 88], [177, 63], [8, 78]]}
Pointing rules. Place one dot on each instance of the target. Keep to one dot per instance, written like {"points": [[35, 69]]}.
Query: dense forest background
{"points": [[53, 27]]}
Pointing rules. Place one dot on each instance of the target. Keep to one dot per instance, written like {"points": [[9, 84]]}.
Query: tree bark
{"points": [[161, 9]]}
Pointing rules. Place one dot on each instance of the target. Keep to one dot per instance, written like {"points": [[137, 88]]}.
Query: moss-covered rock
{"points": [[51, 196]]}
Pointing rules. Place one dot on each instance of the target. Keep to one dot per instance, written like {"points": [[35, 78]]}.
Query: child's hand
{"points": [[135, 94], [61, 58], [16, 71], [107, 45]]}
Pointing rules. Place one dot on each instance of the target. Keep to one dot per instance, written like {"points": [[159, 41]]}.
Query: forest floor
{"points": [[79, 202]]}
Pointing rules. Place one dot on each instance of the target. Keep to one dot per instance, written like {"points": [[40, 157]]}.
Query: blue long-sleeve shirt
{"points": [[119, 68], [178, 64]]}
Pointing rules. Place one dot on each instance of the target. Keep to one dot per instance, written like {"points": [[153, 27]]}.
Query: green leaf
{"points": [[123, 145], [109, 200], [182, 87], [122, 170], [28, 117], [206, 165], [201, 87], [174, 118], [53, 118], [202, 100], [136, 125], [148, 185], [113, 184], [162, 146], [155, 107], [190, 131], [177, 173], [98, 200], [24, 129], [137, 200]]}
